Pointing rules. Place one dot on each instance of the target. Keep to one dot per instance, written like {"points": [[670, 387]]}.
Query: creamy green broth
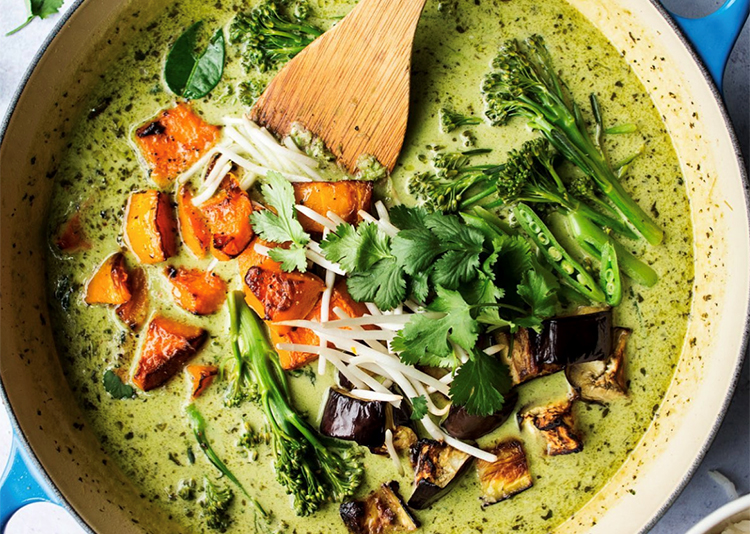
{"points": [[148, 436]]}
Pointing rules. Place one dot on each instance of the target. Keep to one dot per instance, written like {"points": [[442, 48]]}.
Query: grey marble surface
{"points": [[730, 452]]}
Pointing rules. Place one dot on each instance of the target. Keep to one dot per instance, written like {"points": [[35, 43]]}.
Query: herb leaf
{"points": [[114, 386], [190, 76], [281, 226], [418, 407], [38, 8], [480, 384], [383, 284]]}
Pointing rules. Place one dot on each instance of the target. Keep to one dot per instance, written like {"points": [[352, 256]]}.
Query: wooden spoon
{"points": [[350, 86]]}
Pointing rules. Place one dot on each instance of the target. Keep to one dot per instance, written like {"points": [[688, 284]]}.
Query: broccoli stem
{"points": [[593, 240]]}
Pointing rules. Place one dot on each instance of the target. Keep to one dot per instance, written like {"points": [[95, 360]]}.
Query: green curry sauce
{"points": [[149, 436]]}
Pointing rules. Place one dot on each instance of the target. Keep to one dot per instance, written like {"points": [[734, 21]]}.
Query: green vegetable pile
{"points": [[313, 469]]}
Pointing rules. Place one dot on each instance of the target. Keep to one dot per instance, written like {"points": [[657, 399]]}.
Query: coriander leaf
{"points": [[425, 338], [281, 226], [416, 249], [38, 8], [419, 286], [480, 384], [357, 249], [405, 218], [383, 284], [114, 386], [208, 69], [538, 293], [455, 267], [376, 245], [291, 259], [448, 228], [418, 407]]}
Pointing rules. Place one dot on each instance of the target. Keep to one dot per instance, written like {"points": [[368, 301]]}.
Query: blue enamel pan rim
{"points": [[47, 481]]}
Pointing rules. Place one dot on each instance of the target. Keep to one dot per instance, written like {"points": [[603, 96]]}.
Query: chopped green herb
{"points": [[418, 407], [481, 383], [114, 386]]}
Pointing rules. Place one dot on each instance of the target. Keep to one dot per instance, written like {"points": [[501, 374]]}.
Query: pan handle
{"points": [[714, 35], [21, 484]]}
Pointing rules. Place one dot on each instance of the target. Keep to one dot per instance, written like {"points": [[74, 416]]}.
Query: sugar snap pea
{"points": [[609, 270]]}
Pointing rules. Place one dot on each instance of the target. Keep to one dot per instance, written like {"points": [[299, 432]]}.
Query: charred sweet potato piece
{"points": [[381, 512], [340, 298], [168, 345], [173, 140], [72, 237], [150, 227], [200, 377], [135, 311], [344, 199], [196, 291], [193, 227], [556, 425], [110, 284], [276, 295], [506, 476], [228, 216]]}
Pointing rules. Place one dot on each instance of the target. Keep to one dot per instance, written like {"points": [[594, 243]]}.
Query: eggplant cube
{"points": [[381, 512], [506, 476], [437, 467], [462, 425], [347, 417], [602, 381], [522, 361], [556, 426]]}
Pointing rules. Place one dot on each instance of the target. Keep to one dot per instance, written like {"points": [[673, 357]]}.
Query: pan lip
{"points": [[745, 343], [743, 175], [18, 434]]}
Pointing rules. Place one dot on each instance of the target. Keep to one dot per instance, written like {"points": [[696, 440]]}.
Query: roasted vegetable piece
{"points": [[196, 291], [381, 512], [437, 467], [150, 226], [602, 381], [343, 198], [522, 361], [276, 295], [168, 345], [173, 140], [193, 227], [352, 419], [135, 311], [72, 237], [575, 338], [462, 425], [556, 426], [201, 377], [228, 216], [506, 476], [110, 284], [340, 298]]}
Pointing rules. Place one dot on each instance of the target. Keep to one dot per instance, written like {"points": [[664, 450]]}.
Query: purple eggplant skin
{"points": [[574, 339], [346, 417], [382, 511], [437, 468], [462, 425]]}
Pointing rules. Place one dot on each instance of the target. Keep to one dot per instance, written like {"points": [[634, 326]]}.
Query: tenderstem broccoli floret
{"points": [[450, 120], [524, 83]]}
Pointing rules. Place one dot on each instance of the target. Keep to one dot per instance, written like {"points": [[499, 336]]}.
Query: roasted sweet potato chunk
{"points": [[173, 140], [150, 227], [382, 512], [168, 345], [135, 311], [196, 291], [276, 295], [344, 199], [72, 237], [193, 226], [228, 216], [110, 284], [506, 476], [340, 298], [200, 377]]}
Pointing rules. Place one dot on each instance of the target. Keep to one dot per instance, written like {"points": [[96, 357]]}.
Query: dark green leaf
{"points": [[480, 384], [181, 60], [416, 249], [208, 70], [114, 386], [38, 8], [538, 293], [384, 285], [291, 259]]}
